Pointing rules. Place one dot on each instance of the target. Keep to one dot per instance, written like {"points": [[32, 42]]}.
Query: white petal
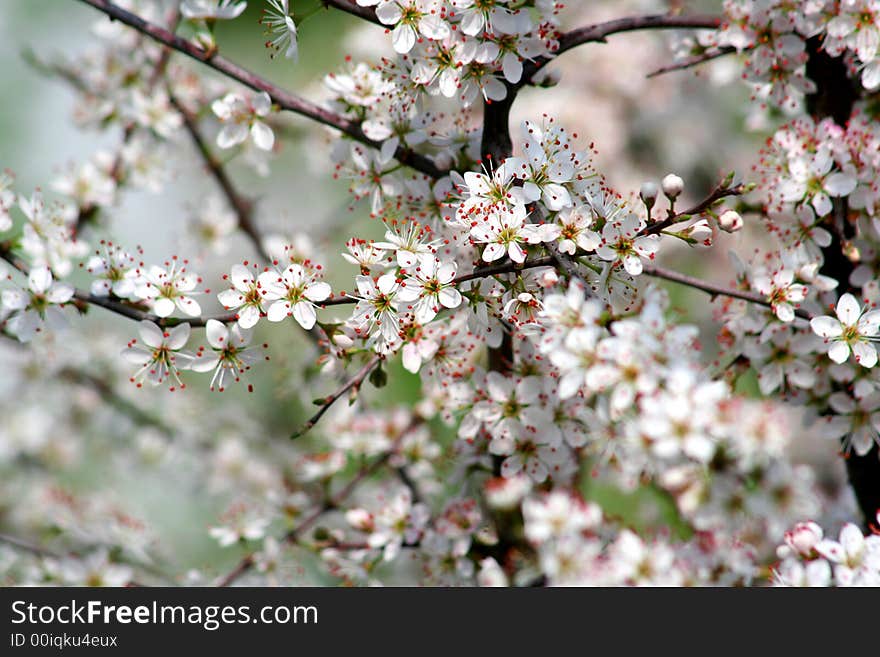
{"points": [[826, 327], [848, 309], [163, 307], [865, 354], [304, 313], [838, 352], [317, 291], [217, 334], [263, 136]]}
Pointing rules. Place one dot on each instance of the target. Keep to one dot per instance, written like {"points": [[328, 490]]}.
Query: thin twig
{"points": [[28, 546], [508, 267], [240, 205], [351, 7], [106, 391], [694, 60], [284, 99], [720, 192], [711, 288], [247, 562], [599, 32], [353, 383]]}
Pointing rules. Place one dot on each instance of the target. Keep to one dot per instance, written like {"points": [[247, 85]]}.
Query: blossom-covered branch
{"points": [[714, 290], [599, 32], [282, 98]]}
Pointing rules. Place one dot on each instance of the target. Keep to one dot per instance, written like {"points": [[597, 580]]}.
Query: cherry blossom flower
{"points": [[245, 296], [293, 293], [503, 231], [858, 419], [850, 332], [160, 355], [430, 288], [622, 243], [407, 241], [782, 292], [167, 289], [278, 22], [377, 307], [412, 19], [557, 514], [38, 307], [229, 356], [573, 230], [241, 116], [115, 270], [856, 559]]}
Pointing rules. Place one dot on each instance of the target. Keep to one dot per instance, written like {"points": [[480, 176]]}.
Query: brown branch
{"points": [[119, 307], [351, 7], [711, 288], [599, 32], [720, 192], [279, 96], [694, 60], [508, 267], [138, 315], [354, 383], [240, 205], [247, 562], [27, 546], [88, 213], [114, 399]]}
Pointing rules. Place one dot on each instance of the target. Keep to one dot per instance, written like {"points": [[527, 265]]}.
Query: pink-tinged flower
{"points": [[782, 292], [245, 296], [241, 116], [160, 355], [857, 419], [294, 293], [850, 332], [803, 537], [430, 287], [165, 289], [856, 558], [791, 572], [230, 355], [37, 307], [504, 230]]}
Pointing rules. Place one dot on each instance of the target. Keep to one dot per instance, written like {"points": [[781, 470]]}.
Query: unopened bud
{"points": [[730, 221], [701, 232], [803, 537], [649, 192], [548, 278], [672, 186]]}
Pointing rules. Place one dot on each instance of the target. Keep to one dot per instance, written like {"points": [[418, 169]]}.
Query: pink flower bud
{"points": [[730, 221], [803, 537], [701, 232]]}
